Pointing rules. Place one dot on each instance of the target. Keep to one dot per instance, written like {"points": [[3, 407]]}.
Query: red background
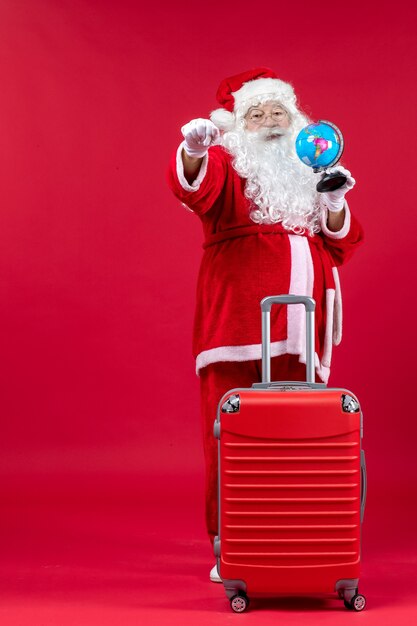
{"points": [[101, 460]]}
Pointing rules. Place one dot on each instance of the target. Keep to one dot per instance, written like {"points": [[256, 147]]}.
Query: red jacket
{"points": [[243, 262]]}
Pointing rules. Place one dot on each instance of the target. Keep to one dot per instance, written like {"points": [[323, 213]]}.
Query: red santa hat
{"points": [[238, 93]]}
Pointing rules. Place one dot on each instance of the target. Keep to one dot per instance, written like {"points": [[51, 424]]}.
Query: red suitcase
{"points": [[292, 484]]}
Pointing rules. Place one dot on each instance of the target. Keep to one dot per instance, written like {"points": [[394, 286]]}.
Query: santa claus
{"points": [[266, 232]]}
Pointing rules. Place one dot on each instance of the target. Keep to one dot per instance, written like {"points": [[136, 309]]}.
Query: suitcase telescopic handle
{"points": [[266, 305]]}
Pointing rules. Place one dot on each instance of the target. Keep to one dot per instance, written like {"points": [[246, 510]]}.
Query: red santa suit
{"points": [[243, 262]]}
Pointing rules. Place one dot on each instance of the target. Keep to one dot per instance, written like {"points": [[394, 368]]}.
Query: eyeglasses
{"points": [[257, 116]]}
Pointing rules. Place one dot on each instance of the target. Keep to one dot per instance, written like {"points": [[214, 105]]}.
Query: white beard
{"points": [[279, 186]]}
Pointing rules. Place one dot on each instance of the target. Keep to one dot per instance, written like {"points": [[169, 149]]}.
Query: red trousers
{"points": [[215, 380]]}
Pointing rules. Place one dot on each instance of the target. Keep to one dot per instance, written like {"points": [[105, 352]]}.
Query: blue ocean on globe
{"points": [[319, 145]]}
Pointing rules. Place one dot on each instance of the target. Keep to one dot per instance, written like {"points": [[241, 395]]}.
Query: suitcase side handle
{"points": [[364, 482], [266, 305]]}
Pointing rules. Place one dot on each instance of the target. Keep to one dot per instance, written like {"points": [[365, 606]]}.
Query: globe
{"points": [[319, 145]]}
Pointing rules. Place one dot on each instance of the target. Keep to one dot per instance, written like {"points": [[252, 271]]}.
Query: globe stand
{"points": [[331, 182]]}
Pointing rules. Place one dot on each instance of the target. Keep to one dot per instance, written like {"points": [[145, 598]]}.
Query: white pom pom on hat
{"points": [[237, 93], [223, 119]]}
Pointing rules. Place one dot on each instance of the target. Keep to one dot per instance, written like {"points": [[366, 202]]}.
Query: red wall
{"points": [[98, 261]]}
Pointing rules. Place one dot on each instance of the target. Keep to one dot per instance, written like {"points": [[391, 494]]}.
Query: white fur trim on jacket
{"points": [[301, 283], [195, 185], [338, 310], [253, 352], [340, 233], [329, 331]]}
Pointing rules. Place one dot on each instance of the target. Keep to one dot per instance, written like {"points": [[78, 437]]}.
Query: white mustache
{"points": [[267, 133]]}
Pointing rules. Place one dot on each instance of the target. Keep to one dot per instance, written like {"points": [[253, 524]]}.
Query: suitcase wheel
{"points": [[239, 602], [357, 603]]}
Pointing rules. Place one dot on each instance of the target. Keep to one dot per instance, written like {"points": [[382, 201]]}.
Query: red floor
{"points": [[99, 556]]}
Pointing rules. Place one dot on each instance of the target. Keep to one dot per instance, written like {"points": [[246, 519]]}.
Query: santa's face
{"points": [[269, 115]]}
